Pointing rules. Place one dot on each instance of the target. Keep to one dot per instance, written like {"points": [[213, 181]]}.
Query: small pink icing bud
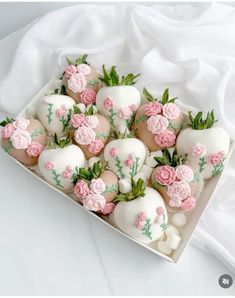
{"points": [[160, 211], [60, 112], [215, 159], [198, 150], [88, 96], [34, 149], [129, 162], [188, 204], [113, 152], [7, 131], [66, 174], [108, 103], [139, 224], [141, 216], [49, 165]]}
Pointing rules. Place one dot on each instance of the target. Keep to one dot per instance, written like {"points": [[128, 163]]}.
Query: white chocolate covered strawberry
{"points": [[158, 122], [206, 145], [24, 139], [119, 99]]}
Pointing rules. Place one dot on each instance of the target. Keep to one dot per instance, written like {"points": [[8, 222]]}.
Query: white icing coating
{"points": [[173, 241], [164, 248], [126, 214], [124, 148], [46, 112], [124, 185], [61, 158], [179, 219]]}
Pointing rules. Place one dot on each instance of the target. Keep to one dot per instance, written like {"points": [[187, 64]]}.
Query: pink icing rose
{"points": [[165, 139], [198, 150], [160, 211], [188, 204], [171, 111], [97, 186], [108, 208], [49, 165], [113, 152], [124, 113], [84, 135], [20, 139], [7, 131], [77, 82], [184, 173], [69, 70], [165, 175], [179, 190], [133, 108], [94, 202], [215, 158], [81, 189], [34, 149], [21, 122], [91, 121], [108, 103], [77, 120], [60, 112], [84, 68], [88, 96], [152, 108], [175, 203], [141, 216], [157, 124], [129, 162], [96, 146]]}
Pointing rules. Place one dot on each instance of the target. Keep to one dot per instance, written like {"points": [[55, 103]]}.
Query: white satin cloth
{"points": [[187, 48]]}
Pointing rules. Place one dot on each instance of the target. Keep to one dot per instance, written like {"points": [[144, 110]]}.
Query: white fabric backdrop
{"points": [[189, 49]]}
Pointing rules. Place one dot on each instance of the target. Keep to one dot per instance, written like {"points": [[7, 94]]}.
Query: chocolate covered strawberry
{"points": [[96, 187], [178, 184], [158, 122], [206, 145], [24, 139], [118, 100]]}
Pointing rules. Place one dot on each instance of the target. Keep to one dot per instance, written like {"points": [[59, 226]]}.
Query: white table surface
{"points": [[48, 246]]}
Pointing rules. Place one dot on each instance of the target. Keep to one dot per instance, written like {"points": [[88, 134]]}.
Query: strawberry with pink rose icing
{"points": [[178, 184], [81, 81], [119, 99], [157, 123], [23, 138], [141, 213], [91, 130], [96, 188], [206, 145], [59, 161]]}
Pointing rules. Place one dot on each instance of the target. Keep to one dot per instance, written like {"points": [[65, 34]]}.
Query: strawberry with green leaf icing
{"points": [[158, 122], [96, 188], [118, 100], [206, 145], [141, 213]]}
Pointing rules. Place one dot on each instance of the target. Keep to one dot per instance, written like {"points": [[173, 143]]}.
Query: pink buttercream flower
{"points": [[133, 108], [88, 96], [7, 131], [21, 122], [60, 112], [160, 211], [165, 139], [49, 165], [113, 152], [198, 150], [108, 208], [96, 146], [20, 138], [152, 108], [94, 202], [129, 162], [124, 113], [77, 82], [175, 203], [84, 135], [69, 70], [66, 174], [91, 121], [184, 173], [157, 124], [165, 175], [77, 120], [141, 216], [84, 68], [34, 149], [171, 111], [188, 204], [108, 103], [81, 189], [179, 190], [215, 159], [97, 186]]}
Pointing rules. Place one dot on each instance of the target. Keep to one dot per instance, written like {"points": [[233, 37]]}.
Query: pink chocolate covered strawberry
{"points": [[158, 122]]}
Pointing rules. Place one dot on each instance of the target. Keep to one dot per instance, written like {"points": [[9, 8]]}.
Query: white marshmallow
{"points": [[82, 107], [140, 175], [173, 241], [151, 162], [171, 230], [179, 219], [124, 185], [157, 153], [146, 171], [164, 248], [92, 160]]}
